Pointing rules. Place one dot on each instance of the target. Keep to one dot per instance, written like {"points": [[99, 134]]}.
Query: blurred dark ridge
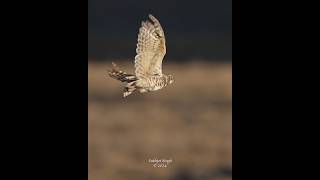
{"points": [[193, 29]]}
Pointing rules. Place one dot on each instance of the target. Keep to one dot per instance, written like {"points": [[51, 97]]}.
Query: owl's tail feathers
{"points": [[130, 87], [131, 79], [116, 73]]}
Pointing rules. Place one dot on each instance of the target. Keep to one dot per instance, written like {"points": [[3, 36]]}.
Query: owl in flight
{"points": [[151, 48]]}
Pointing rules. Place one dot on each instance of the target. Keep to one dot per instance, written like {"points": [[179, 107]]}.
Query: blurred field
{"points": [[189, 122]]}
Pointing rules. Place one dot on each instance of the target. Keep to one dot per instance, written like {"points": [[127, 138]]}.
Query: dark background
{"points": [[193, 29]]}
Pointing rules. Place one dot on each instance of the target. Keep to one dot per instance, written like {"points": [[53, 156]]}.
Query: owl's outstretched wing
{"points": [[151, 48]]}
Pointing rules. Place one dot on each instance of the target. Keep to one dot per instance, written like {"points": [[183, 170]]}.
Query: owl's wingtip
{"points": [[151, 16], [153, 19]]}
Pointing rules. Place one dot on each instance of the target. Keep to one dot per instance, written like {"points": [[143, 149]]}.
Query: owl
{"points": [[151, 49]]}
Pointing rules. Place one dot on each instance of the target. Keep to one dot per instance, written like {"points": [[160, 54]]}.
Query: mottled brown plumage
{"points": [[151, 49]]}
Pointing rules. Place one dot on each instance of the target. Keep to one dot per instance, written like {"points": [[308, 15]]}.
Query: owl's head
{"points": [[170, 79]]}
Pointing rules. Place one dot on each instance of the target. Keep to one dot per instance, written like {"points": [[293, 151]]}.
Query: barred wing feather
{"points": [[150, 49]]}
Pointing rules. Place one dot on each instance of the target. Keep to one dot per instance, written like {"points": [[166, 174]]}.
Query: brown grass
{"points": [[189, 121]]}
